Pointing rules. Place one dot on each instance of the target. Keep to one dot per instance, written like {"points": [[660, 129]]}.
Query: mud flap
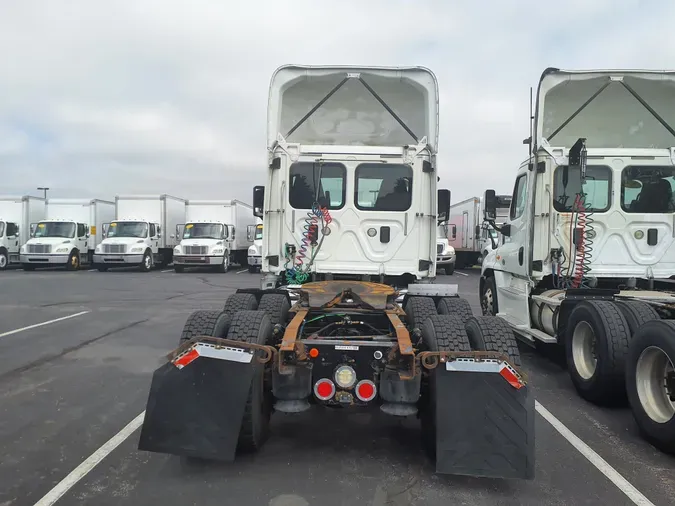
{"points": [[196, 403], [484, 420]]}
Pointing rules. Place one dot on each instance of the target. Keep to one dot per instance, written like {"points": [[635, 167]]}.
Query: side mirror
{"points": [[505, 230], [490, 205], [258, 201], [443, 204], [477, 232]]}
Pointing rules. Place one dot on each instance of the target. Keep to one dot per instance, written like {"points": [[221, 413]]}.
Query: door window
{"points": [[519, 200], [153, 231]]}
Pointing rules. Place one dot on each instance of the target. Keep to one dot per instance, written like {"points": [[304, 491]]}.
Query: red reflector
{"points": [[324, 389], [186, 359], [365, 390], [513, 380]]}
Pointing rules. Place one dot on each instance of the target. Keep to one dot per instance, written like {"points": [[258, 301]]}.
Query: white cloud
{"points": [[98, 98]]}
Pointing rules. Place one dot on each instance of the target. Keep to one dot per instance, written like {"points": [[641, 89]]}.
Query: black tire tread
{"points": [[418, 309], [240, 302], [246, 327], [496, 335], [455, 306], [636, 313], [448, 333], [199, 323], [276, 306]]}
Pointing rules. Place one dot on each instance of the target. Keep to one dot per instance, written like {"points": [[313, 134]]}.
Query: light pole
{"points": [[44, 189]]}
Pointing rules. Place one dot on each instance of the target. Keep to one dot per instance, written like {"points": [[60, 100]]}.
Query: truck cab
{"points": [[357, 195], [255, 250], [56, 242], [203, 243], [128, 242], [445, 254], [9, 242]]}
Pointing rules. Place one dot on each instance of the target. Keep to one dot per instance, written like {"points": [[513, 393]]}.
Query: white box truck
{"points": [[142, 233], [67, 236], [16, 216], [255, 250], [215, 233]]}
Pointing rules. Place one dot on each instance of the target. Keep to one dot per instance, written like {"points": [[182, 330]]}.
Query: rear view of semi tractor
{"points": [[350, 210], [591, 241], [143, 233], [215, 233], [68, 236], [16, 216]]}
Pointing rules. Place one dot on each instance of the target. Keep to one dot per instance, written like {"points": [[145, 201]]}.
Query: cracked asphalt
{"points": [[67, 387]]}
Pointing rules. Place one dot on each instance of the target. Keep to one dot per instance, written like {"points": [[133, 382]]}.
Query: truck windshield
{"points": [[203, 231], [258, 232], [128, 229], [598, 187], [383, 187], [55, 229], [648, 189]]}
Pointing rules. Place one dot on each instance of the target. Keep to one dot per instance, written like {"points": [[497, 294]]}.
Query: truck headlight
{"points": [[252, 250], [176, 250], [137, 250], [97, 249], [217, 251], [62, 250]]}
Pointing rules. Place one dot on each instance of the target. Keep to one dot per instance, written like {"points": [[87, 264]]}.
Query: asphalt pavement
{"points": [[78, 351]]}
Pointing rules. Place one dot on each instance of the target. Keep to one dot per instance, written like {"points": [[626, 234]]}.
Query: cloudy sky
{"points": [[154, 96]]}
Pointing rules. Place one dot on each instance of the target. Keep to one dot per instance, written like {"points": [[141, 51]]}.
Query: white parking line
{"points": [[168, 270], [83, 469], [95, 458], [601, 464], [16, 331], [462, 273], [242, 271]]}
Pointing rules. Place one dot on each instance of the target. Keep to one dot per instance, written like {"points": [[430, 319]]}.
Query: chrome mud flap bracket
{"points": [[197, 400], [484, 420]]}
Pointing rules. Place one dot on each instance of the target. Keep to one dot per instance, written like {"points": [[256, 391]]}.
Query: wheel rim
{"points": [[3, 261], [654, 380], [488, 302], [147, 261], [583, 350]]}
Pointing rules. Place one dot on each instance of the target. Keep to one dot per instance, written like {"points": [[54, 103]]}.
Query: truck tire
{"points": [[491, 333], [418, 309], [73, 261], [178, 268], [650, 382], [455, 306], [450, 270], [439, 333], [636, 313], [596, 344], [276, 306], [240, 302], [28, 267], [488, 298], [225, 266], [146, 262], [205, 323], [254, 327], [4, 260], [252, 269]]}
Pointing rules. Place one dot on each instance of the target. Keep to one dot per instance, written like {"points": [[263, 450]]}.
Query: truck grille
{"points": [[114, 248], [196, 250], [439, 249], [39, 248]]}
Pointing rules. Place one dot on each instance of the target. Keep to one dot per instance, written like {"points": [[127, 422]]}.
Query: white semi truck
{"points": [[69, 234], [350, 196], [16, 216], [445, 254], [255, 250], [466, 232], [489, 237], [142, 233], [590, 239], [215, 233]]}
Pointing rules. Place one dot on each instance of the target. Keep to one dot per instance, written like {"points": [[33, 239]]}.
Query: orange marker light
{"points": [[313, 353]]}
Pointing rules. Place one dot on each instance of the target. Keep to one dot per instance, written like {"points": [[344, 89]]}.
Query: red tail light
{"points": [[366, 390], [324, 389]]}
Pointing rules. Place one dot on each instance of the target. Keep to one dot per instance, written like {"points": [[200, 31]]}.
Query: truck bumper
{"points": [[113, 260], [445, 260], [194, 260], [44, 259], [257, 260]]}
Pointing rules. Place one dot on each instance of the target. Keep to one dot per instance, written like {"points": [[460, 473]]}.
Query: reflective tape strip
{"points": [[491, 366], [210, 351]]}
